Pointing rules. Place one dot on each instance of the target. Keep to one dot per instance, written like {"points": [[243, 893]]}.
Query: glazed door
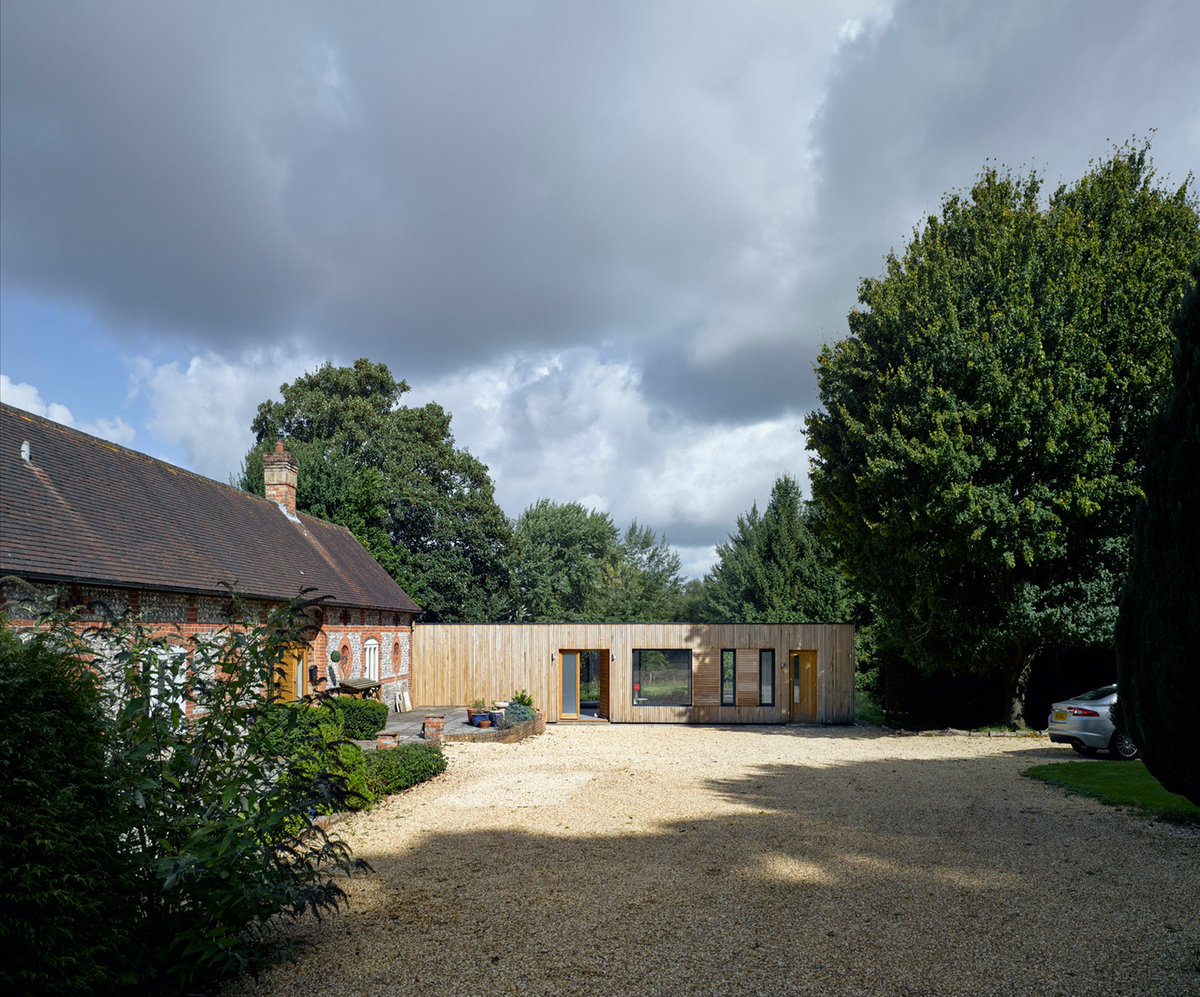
{"points": [[802, 666], [568, 685]]}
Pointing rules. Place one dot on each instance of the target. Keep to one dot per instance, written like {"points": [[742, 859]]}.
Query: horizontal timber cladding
{"points": [[457, 663]]}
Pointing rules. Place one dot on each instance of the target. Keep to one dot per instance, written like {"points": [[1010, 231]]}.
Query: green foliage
{"points": [[398, 768], [521, 698], [516, 713], [775, 568], [868, 707], [562, 554], [64, 875], [571, 564], [1158, 632], [643, 584], [330, 757], [1129, 785], [212, 843], [361, 718], [977, 450], [288, 729], [393, 476]]}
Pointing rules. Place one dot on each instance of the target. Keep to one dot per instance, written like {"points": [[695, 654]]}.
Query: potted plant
{"points": [[477, 709]]}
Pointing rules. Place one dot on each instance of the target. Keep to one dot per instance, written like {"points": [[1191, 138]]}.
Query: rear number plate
{"points": [[1059, 716]]}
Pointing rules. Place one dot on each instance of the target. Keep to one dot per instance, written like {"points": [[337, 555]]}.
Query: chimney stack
{"points": [[280, 473]]}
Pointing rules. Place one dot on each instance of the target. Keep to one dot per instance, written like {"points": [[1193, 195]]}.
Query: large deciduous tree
{"points": [[571, 564], [775, 569], [978, 449], [394, 477], [1158, 631]]}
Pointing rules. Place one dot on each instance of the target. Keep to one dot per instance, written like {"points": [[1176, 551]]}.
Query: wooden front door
{"points": [[289, 674], [803, 698]]}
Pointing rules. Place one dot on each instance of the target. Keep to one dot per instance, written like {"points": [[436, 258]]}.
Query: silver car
{"points": [[1084, 723]]}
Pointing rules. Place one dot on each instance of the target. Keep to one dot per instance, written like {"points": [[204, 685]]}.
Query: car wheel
{"points": [[1084, 749], [1122, 747]]}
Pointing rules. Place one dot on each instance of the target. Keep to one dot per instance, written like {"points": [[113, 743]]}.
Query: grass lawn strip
{"points": [[1119, 784]]}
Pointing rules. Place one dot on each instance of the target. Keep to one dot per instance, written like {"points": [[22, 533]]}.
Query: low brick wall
{"points": [[517, 732]]}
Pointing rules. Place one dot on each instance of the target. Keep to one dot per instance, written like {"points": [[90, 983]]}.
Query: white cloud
{"points": [[579, 427], [27, 397], [206, 406]]}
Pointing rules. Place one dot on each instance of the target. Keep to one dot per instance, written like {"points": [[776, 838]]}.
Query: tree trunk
{"points": [[1016, 681]]}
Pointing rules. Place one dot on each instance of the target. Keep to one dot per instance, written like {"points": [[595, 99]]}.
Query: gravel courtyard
{"points": [[671, 859]]}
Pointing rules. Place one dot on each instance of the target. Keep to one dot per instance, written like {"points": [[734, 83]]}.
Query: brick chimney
{"points": [[280, 473]]}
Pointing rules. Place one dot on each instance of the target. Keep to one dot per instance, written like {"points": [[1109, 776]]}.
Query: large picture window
{"points": [[662, 678], [728, 676], [766, 678]]}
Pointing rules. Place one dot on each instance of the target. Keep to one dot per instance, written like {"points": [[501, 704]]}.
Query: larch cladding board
{"points": [[456, 663]]}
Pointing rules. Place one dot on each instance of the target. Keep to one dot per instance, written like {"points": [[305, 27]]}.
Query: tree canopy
{"points": [[774, 568], [571, 564], [981, 431], [1158, 631], [393, 476]]}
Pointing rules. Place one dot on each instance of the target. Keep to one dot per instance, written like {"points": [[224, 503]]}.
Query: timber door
{"points": [[802, 666], [289, 675], [568, 685]]}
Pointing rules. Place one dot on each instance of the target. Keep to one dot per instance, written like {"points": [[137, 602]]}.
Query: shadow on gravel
{"points": [[948, 876]]}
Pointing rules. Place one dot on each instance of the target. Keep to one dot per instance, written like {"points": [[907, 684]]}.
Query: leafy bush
{"points": [[362, 718], [399, 768], [521, 698], [63, 873], [332, 756], [516, 713], [210, 842], [287, 729]]}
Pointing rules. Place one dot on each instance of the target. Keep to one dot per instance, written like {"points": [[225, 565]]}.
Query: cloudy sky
{"points": [[608, 237]]}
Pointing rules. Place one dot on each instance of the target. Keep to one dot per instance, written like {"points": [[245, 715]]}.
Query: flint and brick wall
{"points": [[178, 616]]}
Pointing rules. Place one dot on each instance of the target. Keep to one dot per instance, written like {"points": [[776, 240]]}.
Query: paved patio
{"points": [[407, 726]]}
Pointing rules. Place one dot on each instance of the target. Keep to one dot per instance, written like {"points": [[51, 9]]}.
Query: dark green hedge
{"points": [[65, 901], [285, 729], [394, 769], [362, 718]]}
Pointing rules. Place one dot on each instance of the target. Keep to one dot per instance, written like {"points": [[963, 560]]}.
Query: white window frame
{"points": [[371, 659]]}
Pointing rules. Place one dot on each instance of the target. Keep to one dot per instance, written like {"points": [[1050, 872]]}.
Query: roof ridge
{"points": [[129, 451]]}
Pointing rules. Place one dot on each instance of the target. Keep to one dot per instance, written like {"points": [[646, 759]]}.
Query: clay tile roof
{"points": [[82, 510]]}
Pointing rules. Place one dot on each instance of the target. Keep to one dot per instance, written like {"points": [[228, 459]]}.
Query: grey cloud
{"points": [[695, 188]]}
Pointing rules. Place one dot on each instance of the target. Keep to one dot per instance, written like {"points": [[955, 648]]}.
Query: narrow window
{"points": [[371, 660], [766, 678], [728, 670]]}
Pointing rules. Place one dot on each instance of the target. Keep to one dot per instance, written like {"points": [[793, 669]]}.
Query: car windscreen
{"points": [[1100, 693]]}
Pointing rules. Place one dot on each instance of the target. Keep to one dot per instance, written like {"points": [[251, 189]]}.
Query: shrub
{"points": [[332, 756], [521, 698], [286, 729], [68, 912], [398, 768], [516, 713], [210, 842], [362, 718]]}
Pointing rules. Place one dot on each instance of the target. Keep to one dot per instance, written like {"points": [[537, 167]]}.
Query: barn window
{"points": [[167, 683], [728, 670], [662, 677], [371, 659], [766, 678]]}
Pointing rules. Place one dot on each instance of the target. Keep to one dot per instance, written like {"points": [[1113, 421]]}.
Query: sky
{"points": [[609, 238]]}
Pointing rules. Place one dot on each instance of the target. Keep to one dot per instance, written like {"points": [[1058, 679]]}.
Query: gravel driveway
{"points": [[671, 859]]}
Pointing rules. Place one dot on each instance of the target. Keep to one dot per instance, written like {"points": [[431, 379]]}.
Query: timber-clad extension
{"points": [[797, 672]]}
